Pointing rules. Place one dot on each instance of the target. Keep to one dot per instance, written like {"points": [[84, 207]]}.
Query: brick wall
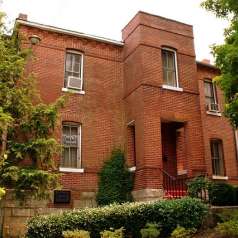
{"points": [[217, 127], [124, 84]]}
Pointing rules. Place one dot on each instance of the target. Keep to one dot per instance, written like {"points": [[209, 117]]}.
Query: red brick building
{"points": [[145, 94]]}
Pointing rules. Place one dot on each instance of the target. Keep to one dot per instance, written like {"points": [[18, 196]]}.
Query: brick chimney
{"points": [[22, 16], [206, 61]]}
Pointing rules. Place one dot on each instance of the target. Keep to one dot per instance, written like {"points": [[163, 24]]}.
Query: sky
{"points": [[107, 18]]}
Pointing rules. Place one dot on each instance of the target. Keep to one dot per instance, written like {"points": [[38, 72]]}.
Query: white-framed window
{"points": [[71, 141], [218, 168], [210, 96], [170, 69], [73, 78]]}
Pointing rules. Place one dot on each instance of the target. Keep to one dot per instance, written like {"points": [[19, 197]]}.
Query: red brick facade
{"points": [[125, 103]]}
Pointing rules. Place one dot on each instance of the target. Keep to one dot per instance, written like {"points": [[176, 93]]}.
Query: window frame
{"points": [[79, 148], [214, 92], [221, 157], [75, 52], [165, 85]]}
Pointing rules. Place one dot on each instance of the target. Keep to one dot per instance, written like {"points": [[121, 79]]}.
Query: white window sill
{"points": [[132, 169], [71, 170], [218, 114], [73, 91], [172, 88], [216, 177], [182, 172]]}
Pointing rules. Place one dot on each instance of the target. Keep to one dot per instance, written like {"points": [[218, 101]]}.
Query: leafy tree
{"points": [[226, 55], [115, 181], [27, 145]]}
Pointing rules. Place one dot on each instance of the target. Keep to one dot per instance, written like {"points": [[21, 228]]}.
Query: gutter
{"points": [[69, 32]]}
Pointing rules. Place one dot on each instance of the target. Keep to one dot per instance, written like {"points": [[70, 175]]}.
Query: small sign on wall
{"points": [[62, 196]]}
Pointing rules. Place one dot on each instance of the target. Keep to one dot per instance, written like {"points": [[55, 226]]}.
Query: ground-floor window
{"points": [[217, 157], [71, 140]]}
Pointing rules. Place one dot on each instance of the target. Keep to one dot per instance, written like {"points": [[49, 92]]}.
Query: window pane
{"points": [[73, 159], [70, 156], [69, 62], [72, 66], [217, 158], [171, 64], [169, 68], [171, 78], [208, 89], [164, 59], [66, 158]]}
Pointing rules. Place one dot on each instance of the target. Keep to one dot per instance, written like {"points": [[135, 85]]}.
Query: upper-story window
{"points": [[71, 140], [210, 96], [170, 73], [73, 70], [217, 157]]}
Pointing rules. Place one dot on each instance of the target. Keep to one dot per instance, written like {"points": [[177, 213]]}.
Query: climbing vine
{"points": [[27, 144]]}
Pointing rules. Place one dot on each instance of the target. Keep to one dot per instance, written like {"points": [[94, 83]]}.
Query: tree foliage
{"points": [[226, 55], [27, 145], [115, 181]]}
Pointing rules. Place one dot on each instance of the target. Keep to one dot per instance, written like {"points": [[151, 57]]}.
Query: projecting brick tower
{"points": [[162, 111]]}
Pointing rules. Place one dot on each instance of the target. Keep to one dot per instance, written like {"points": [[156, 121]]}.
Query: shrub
{"points": [[236, 195], [226, 215], [118, 233], [181, 232], [186, 212], [227, 229], [197, 186], [115, 181], [222, 194], [151, 230], [76, 234]]}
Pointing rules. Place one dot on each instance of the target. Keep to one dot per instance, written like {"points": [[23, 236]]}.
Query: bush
{"points": [[197, 186], [151, 230], [112, 234], [181, 232], [227, 229], [115, 181], [227, 215], [76, 234], [186, 212], [236, 195], [222, 194]]}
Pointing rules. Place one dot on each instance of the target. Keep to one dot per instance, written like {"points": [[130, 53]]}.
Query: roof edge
{"points": [[206, 65], [69, 32]]}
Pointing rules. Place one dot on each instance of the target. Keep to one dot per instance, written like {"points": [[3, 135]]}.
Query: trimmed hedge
{"points": [[222, 194], [186, 212]]}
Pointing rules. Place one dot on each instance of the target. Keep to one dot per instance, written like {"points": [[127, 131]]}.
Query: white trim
{"points": [[172, 88], [236, 141], [182, 172], [217, 177], [176, 65], [68, 32], [218, 114], [81, 68], [71, 170], [132, 169], [73, 91], [80, 146], [79, 151]]}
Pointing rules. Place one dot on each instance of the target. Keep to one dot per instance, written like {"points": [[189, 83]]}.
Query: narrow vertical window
{"points": [[131, 146], [217, 158], [210, 96], [170, 67], [73, 71], [71, 140]]}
